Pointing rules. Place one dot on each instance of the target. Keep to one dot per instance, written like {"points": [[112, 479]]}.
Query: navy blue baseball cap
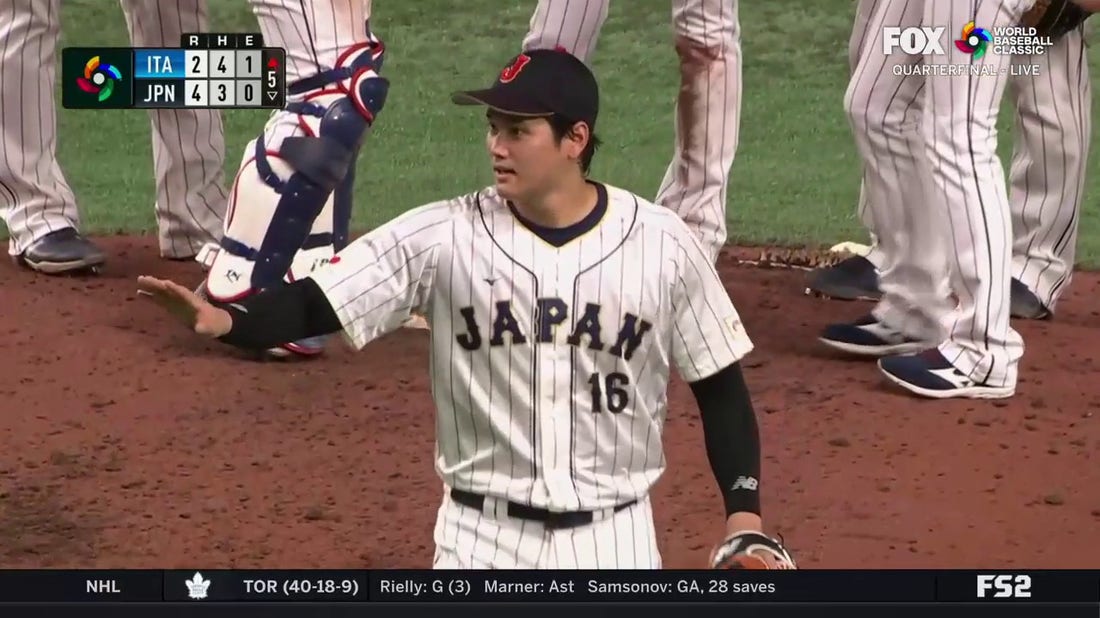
{"points": [[539, 83]]}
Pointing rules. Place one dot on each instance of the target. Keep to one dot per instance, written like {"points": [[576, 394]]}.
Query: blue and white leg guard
{"points": [[290, 206]]}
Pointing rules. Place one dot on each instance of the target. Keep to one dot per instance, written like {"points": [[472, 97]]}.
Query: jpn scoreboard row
{"points": [[208, 70]]}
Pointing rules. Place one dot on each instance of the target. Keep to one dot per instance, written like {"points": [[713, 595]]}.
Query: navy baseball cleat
{"points": [[61, 252], [854, 278], [869, 337], [1024, 304], [929, 374]]}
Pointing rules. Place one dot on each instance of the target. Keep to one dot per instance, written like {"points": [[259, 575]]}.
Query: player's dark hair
{"points": [[562, 126]]}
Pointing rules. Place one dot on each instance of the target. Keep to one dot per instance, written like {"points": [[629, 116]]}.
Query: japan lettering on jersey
{"points": [[549, 365]]}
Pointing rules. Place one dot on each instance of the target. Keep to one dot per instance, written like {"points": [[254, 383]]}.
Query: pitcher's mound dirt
{"points": [[127, 442]]}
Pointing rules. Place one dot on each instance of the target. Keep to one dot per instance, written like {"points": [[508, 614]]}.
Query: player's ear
{"points": [[576, 140]]}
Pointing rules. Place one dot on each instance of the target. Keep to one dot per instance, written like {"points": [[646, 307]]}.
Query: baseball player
{"points": [[290, 205], [1047, 173], [933, 132], [556, 306], [1046, 185], [36, 202], [708, 106], [855, 278]]}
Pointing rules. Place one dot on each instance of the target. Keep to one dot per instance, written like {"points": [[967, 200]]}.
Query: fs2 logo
{"points": [[923, 40], [1005, 586]]}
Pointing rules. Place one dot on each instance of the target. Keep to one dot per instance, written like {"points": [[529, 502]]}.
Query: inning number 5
{"points": [[613, 387]]}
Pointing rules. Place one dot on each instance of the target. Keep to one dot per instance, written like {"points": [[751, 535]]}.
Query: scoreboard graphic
{"points": [[208, 70]]}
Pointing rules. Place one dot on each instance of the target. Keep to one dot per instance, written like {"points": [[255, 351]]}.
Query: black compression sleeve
{"points": [[280, 315], [732, 437]]}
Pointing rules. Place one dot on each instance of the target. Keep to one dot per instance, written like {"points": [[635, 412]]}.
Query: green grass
{"points": [[794, 181]]}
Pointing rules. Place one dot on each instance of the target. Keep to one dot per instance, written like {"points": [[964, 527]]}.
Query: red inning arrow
{"points": [[272, 63]]}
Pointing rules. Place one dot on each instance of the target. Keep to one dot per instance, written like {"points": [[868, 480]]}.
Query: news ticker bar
{"points": [[82, 586], [212, 71]]}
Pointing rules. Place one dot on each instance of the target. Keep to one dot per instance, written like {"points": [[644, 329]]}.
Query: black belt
{"points": [[550, 519]]}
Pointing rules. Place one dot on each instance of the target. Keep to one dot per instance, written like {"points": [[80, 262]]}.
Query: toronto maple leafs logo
{"points": [[196, 586]]}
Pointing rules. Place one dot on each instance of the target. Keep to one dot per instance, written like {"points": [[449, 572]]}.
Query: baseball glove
{"points": [[752, 550], [1054, 18]]}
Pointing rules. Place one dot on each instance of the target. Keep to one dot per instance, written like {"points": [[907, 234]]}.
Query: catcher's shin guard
{"points": [[290, 205], [329, 235]]}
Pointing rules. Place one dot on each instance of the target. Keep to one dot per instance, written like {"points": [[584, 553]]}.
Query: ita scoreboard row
{"points": [[207, 71]]}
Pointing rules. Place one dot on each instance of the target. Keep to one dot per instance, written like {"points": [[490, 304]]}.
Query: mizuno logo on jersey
{"points": [[551, 313]]}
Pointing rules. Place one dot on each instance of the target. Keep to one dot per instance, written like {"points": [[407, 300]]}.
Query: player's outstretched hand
{"points": [[197, 314]]}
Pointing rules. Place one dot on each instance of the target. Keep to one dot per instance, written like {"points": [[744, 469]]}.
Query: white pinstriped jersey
{"points": [[549, 365]]}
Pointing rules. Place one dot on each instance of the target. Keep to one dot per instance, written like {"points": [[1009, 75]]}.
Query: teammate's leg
{"points": [[884, 106], [569, 24], [1046, 180], [625, 540], [708, 116], [290, 206], [861, 33], [188, 144], [36, 202], [855, 278], [1047, 174], [708, 43], [876, 256], [969, 193]]}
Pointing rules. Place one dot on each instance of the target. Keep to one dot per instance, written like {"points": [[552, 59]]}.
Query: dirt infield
{"points": [[127, 442]]}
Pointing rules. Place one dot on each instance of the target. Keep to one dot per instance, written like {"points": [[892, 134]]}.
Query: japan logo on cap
{"points": [[511, 71]]}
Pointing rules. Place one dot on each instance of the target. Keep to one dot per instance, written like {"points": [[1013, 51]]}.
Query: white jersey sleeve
{"points": [[381, 278], [707, 334]]}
